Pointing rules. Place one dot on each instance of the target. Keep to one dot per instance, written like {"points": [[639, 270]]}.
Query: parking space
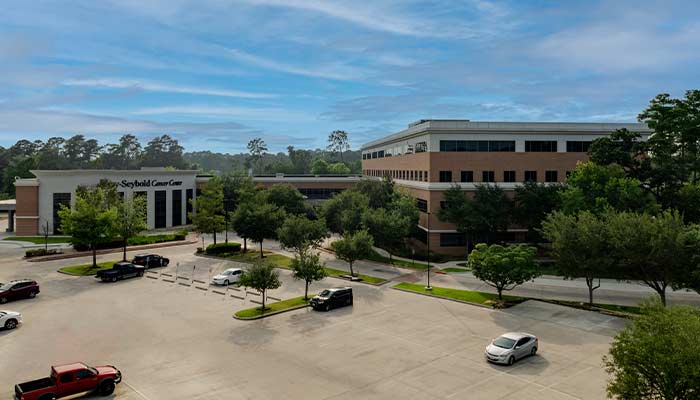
{"points": [[177, 342]]}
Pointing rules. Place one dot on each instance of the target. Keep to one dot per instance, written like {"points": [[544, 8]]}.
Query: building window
{"points": [[374, 154], [577, 146], [380, 154], [177, 207], [188, 206], [508, 176], [567, 174], [530, 176], [59, 199], [422, 205], [453, 240], [443, 204], [319, 193], [487, 176], [425, 176], [547, 146], [445, 176], [160, 209], [364, 156], [477, 145], [421, 147], [551, 176], [466, 176]]}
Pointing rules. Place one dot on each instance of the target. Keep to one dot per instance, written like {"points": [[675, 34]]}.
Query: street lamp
{"points": [[428, 287], [227, 207]]}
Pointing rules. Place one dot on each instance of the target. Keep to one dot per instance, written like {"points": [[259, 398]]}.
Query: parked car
{"points": [[150, 260], [19, 289], [231, 275], [68, 380], [332, 298], [10, 319], [120, 270], [510, 347]]}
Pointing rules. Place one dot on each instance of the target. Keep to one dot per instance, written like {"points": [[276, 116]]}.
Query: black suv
{"points": [[332, 298], [150, 260]]}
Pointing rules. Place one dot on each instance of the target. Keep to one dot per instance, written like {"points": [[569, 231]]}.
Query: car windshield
{"points": [[5, 286], [325, 293], [504, 343]]}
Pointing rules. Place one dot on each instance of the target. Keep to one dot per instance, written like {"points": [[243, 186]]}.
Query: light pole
{"points": [[428, 287]]}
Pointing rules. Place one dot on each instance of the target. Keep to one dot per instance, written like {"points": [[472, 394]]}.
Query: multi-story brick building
{"points": [[431, 156]]}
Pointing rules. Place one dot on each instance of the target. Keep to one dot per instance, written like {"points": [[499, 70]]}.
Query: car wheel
{"points": [[328, 307], [226, 282], [533, 351], [3, 300], [10, 324], [32, 295], [107, 387], [140, 273], [511, 360], [114, 279]]}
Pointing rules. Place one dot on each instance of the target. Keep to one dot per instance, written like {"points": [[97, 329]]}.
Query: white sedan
{"points": [[231, 275], [10, 319]]}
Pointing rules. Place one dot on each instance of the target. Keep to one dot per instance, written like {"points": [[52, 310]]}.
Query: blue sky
{"points": [[216, 73]]}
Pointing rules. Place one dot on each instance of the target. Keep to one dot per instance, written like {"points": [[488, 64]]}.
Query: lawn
{"points": [[251, 257], [365, 278], [457, 294], [273, 307], [401, 263], [40, 239], [87, 269], [610, 307], [455, 270]]}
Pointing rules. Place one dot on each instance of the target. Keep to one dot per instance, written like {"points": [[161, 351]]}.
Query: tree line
{"points": [[79, 152]]}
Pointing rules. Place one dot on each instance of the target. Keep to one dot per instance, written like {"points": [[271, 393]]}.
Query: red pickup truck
{"points": [[70, 379]]}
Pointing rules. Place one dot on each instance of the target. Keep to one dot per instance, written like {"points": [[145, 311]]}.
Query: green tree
{"points": [[319, 167], [299, 234], [595, 188], [124, 155], [687, 202], [389, 227], [343, 212], [338, 169], [581, 245], [256, 150], [532, 203], [264, 220], [131, 219], [209, 209], [353, 246], [300, 159], [625, 149], [656, 356], [308, 268], [286, 197], [242, 222], [91, 221], [338, 143], [652, 249], [501, 267], [262, 277], [379, 193], [164, 151]]}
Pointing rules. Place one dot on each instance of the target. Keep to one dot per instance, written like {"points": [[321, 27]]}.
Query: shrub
{"points": [[41, 252], [223, 248]]}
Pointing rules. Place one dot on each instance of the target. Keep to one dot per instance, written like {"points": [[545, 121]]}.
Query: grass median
{"points": [[399, 263], [40, 239], [87, 269], [273, 307], [455, 270], [486, 299]]}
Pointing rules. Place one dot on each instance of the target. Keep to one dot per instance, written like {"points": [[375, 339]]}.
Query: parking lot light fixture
{"points": [[428, 287]]}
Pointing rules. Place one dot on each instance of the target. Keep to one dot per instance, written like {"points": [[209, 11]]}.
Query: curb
{"points": [[272, 313], [110, 251], [365, 282], [445, 298]]}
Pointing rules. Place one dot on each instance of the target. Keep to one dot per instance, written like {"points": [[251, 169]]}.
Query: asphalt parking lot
{"points": [[176, 342]]}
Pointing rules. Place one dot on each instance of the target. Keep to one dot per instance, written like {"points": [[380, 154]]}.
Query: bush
{"points": [[223, 248], [41, 252]]}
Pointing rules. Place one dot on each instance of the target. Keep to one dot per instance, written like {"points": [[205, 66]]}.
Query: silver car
{"points": [[511, 346]]}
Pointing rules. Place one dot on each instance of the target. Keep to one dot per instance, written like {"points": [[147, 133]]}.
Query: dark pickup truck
{"points": [[68, 380], [121, 270]]}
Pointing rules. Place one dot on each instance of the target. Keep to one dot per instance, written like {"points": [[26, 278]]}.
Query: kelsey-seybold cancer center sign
{"points": [[146, 183]]}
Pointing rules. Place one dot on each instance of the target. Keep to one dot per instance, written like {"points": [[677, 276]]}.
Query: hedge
{"points": [[41, 252], [137, 241], [223, 248]]}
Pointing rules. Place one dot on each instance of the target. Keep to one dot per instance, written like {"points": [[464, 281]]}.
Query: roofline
{"points": [[112, 171], [504, 127]]}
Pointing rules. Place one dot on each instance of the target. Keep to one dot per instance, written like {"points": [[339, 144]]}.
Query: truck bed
{"points": [[31, 386]]}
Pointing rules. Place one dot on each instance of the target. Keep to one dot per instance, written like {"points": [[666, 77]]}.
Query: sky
{"points": [[215, 74]]}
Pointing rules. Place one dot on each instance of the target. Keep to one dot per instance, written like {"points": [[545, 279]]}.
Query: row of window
{"points": [[477, 145], [490, 176], [407, 175], [531, 146]]}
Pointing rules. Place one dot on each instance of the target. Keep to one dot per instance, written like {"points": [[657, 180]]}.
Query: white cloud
{"points": [[249, 113], [118, 83]]}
